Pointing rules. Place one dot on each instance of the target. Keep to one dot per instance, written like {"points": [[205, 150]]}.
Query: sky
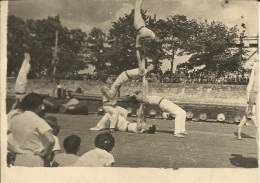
{"points": [[87, 14]]}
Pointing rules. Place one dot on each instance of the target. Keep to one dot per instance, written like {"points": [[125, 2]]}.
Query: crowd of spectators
{"points": [[239, 77]]}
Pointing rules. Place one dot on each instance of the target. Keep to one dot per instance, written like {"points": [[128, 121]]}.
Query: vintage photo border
{"points": [[122, 175]]}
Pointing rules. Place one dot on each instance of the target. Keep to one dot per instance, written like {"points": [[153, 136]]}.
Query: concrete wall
{"points": [[179, 93]]}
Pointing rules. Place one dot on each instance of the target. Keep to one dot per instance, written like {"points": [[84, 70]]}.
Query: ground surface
{"points": [[209, 145]]}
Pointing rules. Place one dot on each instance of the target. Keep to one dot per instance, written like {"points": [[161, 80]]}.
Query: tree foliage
{"points": [[213, 47], [38, 38], [208, 43]]}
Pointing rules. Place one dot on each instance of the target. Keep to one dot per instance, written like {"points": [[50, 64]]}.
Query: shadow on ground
{"points": [[243, 135], [165, 131], [244, 162]]}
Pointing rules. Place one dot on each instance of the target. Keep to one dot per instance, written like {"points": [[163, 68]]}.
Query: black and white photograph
{"points": [[129, 91]]}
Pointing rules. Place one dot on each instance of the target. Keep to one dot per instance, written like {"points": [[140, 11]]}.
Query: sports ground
{"points": [[210, 153], [208, 145]]}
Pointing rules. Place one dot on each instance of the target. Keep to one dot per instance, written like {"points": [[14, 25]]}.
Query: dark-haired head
{"points": [[71, 144], [33, 102], [105, 141], [53, 122], [135, 98]]}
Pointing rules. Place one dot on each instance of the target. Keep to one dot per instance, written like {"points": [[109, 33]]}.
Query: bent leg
{"points": [[122, 111], [103, 122], [114, 116], [120, 80], [180, 115]]}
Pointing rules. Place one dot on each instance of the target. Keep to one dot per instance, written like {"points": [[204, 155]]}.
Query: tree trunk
{"points": [[172, 64]]}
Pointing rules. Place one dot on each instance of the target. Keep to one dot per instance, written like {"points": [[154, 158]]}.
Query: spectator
{"points": [[100, 156], [71, 145], [26, 131], [52, 121]]}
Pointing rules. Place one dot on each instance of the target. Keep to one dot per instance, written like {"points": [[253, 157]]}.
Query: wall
{"points": [[179, 93]]}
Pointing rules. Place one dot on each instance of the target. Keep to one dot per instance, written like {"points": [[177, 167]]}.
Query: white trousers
{"points": [[180, 115], [122, 78], [114, 112], [122, 124], [21, 80]]}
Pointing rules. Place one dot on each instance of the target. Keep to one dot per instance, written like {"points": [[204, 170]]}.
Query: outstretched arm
{"points": [[141, 62], [145, 89]]}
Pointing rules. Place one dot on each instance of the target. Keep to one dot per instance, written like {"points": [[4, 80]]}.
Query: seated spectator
{"points": [[71, 145], [100, 156]]}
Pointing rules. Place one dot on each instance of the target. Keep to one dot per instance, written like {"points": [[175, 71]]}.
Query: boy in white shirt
{"points": [[100, 156]]}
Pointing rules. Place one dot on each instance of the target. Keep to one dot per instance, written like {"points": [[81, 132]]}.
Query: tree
{"points": [[17, 38], [41, 45], [213, 46], [97, 55], [122, 37], [38, 38], [177, 31], [73, 52]]}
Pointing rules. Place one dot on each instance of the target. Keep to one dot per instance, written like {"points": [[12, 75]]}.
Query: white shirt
{"points": [[64, 159], [95, 158], [153, 99], [27, 130]]}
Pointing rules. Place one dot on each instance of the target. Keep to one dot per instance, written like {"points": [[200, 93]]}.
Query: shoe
{"points": [[184, 133], [112, 130], [239, 138], [95, 128], [178, 135]]}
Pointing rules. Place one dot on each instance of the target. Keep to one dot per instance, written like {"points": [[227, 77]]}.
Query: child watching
{"points": [[100, 156], [71, 145], [52, 121]]}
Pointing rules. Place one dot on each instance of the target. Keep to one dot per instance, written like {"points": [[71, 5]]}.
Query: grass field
{"points": [[208, 145]]}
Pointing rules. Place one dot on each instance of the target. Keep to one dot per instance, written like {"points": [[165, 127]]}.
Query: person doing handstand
{"points": [[139, 24], [21, 81]]}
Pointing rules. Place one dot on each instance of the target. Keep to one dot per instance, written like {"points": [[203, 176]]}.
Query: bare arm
{"points": [[137, 41], [144, 90], [109, 93], [47, 152], [141, 63]]}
